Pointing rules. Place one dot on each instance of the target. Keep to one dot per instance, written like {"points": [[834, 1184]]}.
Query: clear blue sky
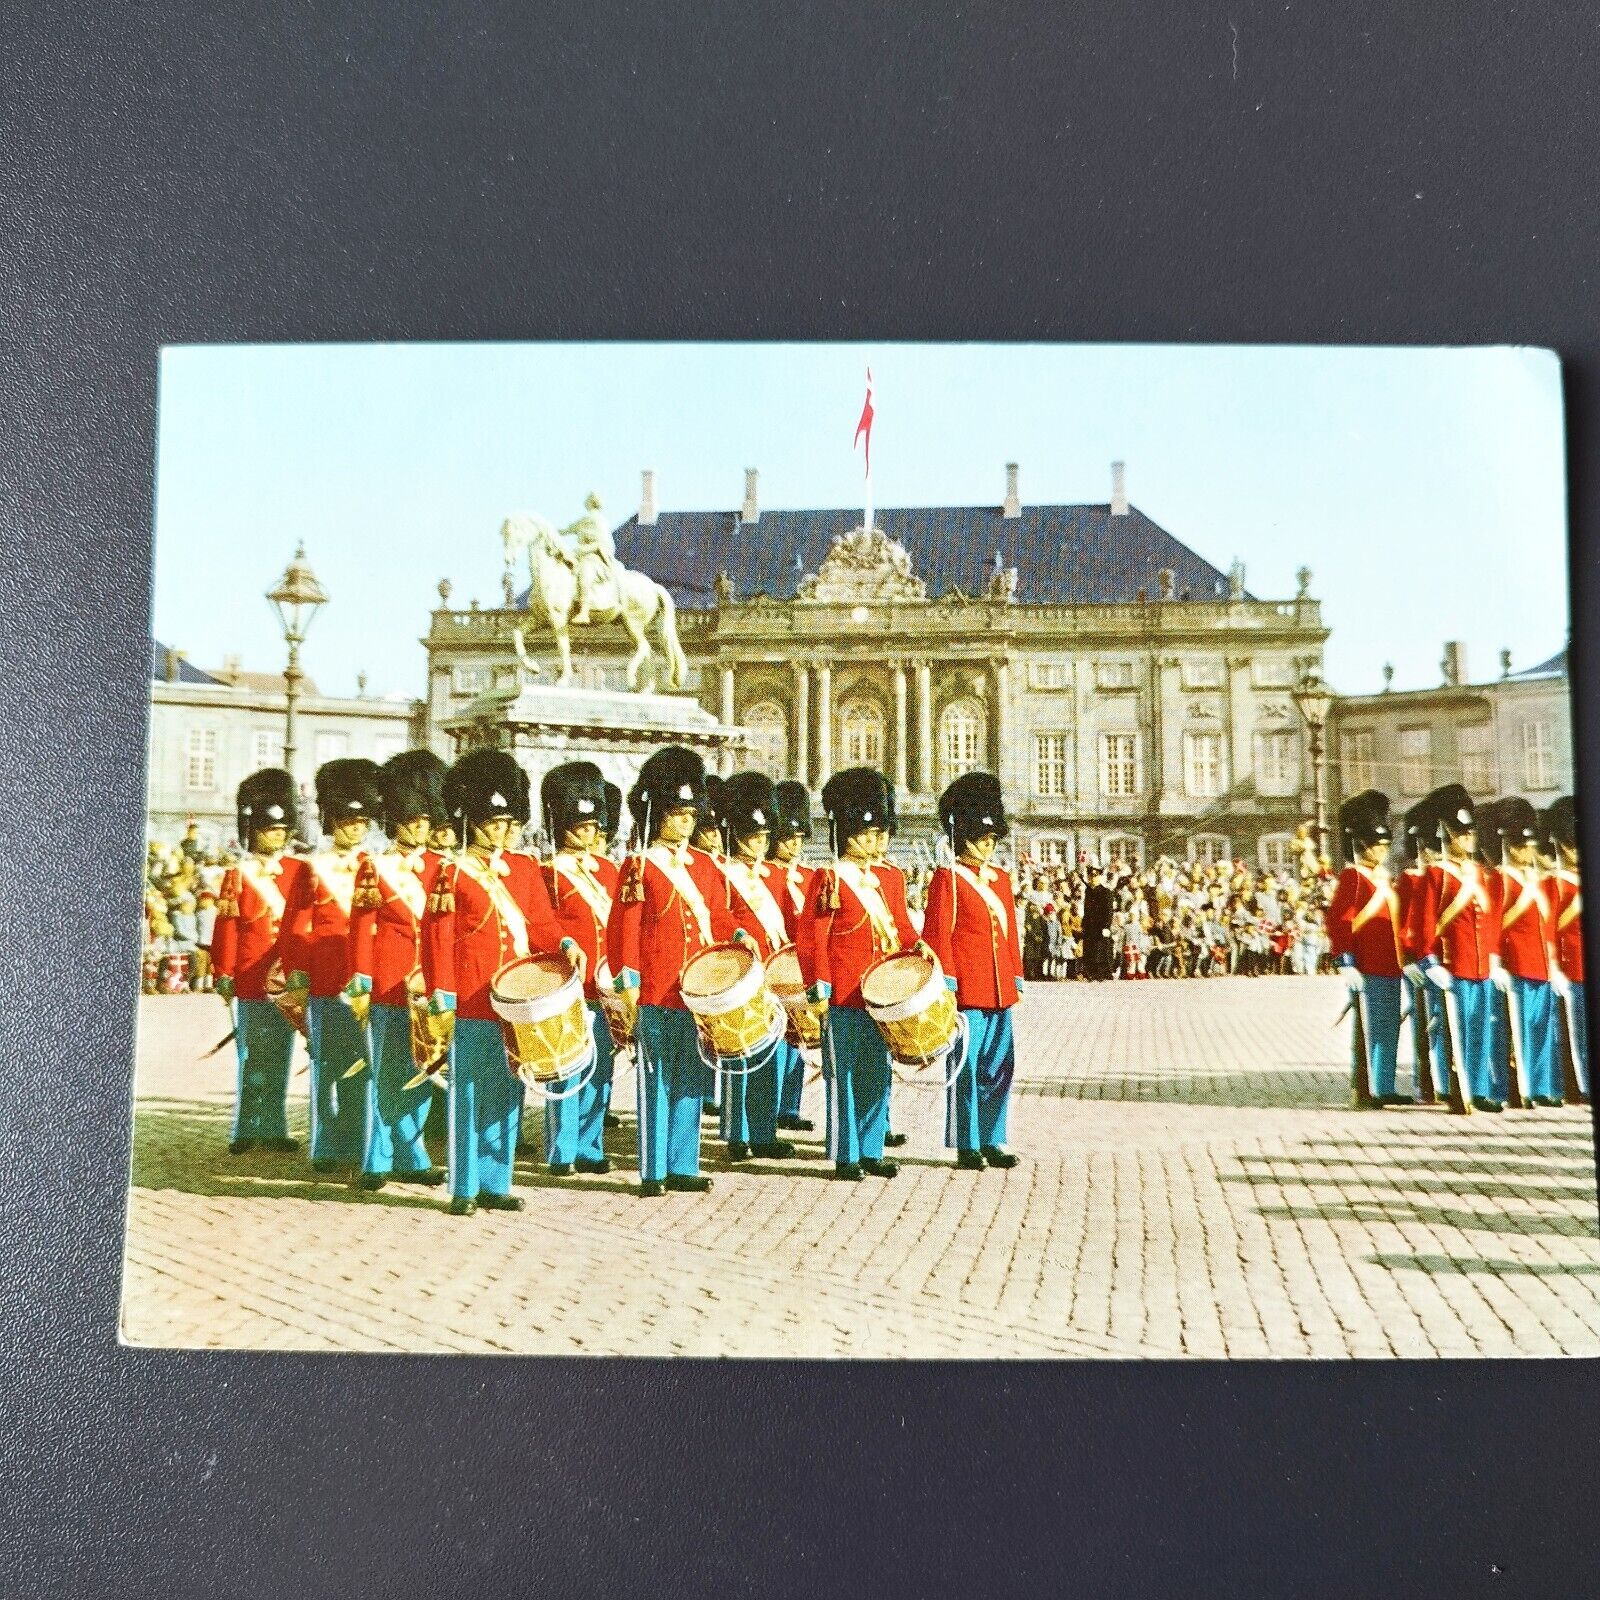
{"points": [[1425, 488]]}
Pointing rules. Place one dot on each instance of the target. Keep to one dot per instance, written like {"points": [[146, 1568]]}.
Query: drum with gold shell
{"points": [[906, 995], [538, 1000], [739, 1022], [619, 1015], [789, 989]]}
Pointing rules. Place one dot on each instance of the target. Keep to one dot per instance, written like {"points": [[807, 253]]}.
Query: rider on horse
{"points": [[593, 558]]}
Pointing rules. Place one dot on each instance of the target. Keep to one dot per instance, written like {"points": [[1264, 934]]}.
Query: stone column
{"points": [[926, 777], [802, 723], [900, 727], [824, 723], [1000, 675], [727, 694]]}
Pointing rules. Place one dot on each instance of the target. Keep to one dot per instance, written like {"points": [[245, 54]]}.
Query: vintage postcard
{"points": [[837, 850]]}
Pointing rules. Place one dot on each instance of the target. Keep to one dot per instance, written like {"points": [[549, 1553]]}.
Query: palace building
{"points": [[1134, 699]]}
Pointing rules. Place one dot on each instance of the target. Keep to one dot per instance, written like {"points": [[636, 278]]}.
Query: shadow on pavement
{"points": [[1440, 1264], [1376, 1212], [1290, 1087], [1487, 1188]]}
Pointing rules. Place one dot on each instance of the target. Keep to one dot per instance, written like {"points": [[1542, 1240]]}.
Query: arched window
{"points": [[1126, 849], [1209, 849], [860, 734], [769, 732], [960, 739]]}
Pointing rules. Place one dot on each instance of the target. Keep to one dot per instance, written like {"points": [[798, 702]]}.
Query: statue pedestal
{"points": [[544, 726]]}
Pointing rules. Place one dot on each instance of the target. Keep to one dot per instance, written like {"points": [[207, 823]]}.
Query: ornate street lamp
{"points": [[297, 600], [1315, 700]]}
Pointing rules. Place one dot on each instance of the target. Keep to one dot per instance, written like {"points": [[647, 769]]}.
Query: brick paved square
{"points": [[1193, 1184]]}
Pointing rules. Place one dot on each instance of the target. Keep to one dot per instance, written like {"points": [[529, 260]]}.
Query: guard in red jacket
{"points": [[583, 890], [1528, 966], [1565, 886], [672, 903], [249, 952], [489, 906], [1456, 927], [971, 925], [853, 915], [391, 893], [1364, 926], [318, 912], [747, 809], [788, 840]]}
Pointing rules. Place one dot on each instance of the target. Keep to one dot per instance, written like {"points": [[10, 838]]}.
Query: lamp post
{"points": [[297, 600], [1315, 700]]}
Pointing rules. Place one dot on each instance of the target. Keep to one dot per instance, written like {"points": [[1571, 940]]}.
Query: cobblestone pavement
{"points": [[1192, 1184]]}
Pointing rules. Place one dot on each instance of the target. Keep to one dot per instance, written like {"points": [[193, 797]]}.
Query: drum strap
{"points": [[677, 873], [753, 886], [796, 880], [865, 887], [573, 869], [397, 872], [509, 912], [265, 885], [1526, 901], [997, 906]]}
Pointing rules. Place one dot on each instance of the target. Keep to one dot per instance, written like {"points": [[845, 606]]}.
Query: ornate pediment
{"points": [[863, 566]]}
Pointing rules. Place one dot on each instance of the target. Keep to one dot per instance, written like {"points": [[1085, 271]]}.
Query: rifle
{"points": [[1460, 1090], [1518, 1060]]}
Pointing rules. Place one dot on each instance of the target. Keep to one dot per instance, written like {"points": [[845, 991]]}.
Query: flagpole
{"points": [[866, 520]]}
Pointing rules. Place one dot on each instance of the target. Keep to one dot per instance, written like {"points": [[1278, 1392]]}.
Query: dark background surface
{"points": [[274, 171]]}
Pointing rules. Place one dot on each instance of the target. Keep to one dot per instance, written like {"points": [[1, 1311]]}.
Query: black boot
{"points": [[602, 1165], [775, 1150], [687, 1183], [792, 1124], [849, 1171], [738, 1152], [559, 1169], [651, 1188], [893, 1141], [612, 1120], [500, 1202], [463, 1206], [996, 1157], [241, 1147], [970, 1160], [879, 1169]]}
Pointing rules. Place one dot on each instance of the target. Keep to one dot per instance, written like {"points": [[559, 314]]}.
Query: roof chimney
{"points": [[1454, 664], [173, 658], [751, 512], [1013, 505], [1119, 490], [647, 498]]}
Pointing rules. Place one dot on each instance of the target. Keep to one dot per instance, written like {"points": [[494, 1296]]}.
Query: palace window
{"points": [[1047, 675], [1358, 766], [860, 734], [200, 758], [1208, 849], [1052, 764], [1202, 764], [1278, 762], [266, 749], [1272, 674], [960, 739], [1053, 850], [1113, 675], [1538, 756], [1477, 759], [1277, 852], [331, 747], [1416, 760], [1119, 765], [1122, 849], [769, 732], [468, 680], [1202, 674]]}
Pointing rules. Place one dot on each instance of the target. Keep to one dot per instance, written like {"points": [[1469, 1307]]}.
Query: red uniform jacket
{"points": [[1566, 903], [391, 895], [761, 915], [1527, 924], [837, 944], [482, 914], [1364, 920], [1457, 917], [250, 933], [1412, 888], [320, 902], [976, 947], [583, 893], [653, 931]]}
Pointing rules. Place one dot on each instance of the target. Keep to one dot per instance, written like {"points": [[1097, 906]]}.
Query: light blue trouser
{"points": [[1536, 1008], [574, 1127], [670, 1084], [1381, 1005], [750, 1102], [1478, 1007], [1429, 1047], [396, 1115], [338, 1103], [793, 1067], [977, 1102], [265, 1043], [485, 1111], [1577, 1030], [855, 1064]]}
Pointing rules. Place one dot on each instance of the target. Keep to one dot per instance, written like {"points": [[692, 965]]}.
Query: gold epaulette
{"points": [[368, 892], [442, 902], [631, 890], [228, 894], [828, 900]]}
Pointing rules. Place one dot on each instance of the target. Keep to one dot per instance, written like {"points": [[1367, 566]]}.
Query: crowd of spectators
{"points": [[181, 882]]}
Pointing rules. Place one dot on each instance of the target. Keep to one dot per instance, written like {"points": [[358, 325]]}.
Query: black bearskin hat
{"points": [[793, 801], [571, 795], [1364, 820], [487, 783], [412, 784], [749, 804], [1516, 821], [266, 800], [347, 789], [673, 776], [1419, 829], [613, 817], [973, 806], [708, 815], [1561, 821], [1450, 808], [855, 800]]}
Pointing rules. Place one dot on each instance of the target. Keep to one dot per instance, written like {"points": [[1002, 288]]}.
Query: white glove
{"points": [[1439, 976], [1560, 983], [1414, 972], [1498, 975], [1353, 980]]}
